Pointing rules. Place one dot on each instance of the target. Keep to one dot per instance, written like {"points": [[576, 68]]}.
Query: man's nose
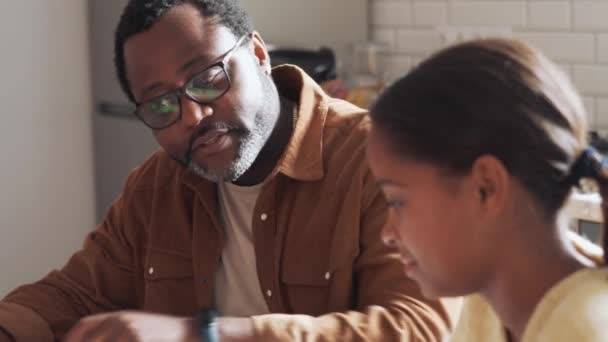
{"points": [[193, 113]]}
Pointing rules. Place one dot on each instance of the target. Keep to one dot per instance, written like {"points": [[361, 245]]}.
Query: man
{"points": [[259, 205]]}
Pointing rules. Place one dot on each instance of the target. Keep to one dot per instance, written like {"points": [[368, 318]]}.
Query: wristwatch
{"points": [[207, 325]]}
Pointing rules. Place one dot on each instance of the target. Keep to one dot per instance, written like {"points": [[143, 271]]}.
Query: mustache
{"points": [[209, 126]]}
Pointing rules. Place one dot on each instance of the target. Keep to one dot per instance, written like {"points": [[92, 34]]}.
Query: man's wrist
{"points": [[206, 325]]}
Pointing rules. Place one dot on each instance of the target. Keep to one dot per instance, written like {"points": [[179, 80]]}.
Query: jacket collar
{"points": [[303, 156]]}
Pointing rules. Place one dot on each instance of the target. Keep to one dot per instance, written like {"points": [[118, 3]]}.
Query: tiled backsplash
{"points": [[573, 33]]}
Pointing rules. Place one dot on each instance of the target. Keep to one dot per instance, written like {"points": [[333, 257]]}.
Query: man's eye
{"points": [[206, 80], [201, 90], [202, 84], [164, 106]]}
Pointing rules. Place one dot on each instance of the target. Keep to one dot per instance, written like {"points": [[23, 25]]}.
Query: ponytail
{"points": [[592, 164], [603, 185]]}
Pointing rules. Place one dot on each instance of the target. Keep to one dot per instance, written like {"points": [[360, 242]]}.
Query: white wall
{"points": [[573, 32], [310, 23], [46, 177]]}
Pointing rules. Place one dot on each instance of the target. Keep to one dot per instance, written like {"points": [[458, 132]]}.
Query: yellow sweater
{"points": [[575, 309]]}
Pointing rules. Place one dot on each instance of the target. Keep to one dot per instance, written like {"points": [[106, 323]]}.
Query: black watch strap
{"points": [[207, 325]]}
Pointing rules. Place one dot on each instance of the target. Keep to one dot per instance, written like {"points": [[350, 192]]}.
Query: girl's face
{"points": [[436, 221]]}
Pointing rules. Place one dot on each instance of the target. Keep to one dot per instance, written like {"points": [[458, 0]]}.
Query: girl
{"points": [[477, 150]]}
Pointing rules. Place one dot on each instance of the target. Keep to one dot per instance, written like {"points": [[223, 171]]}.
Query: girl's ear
{"points": [[490, 181]]}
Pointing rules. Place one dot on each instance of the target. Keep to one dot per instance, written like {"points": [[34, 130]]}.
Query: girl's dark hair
{"points": [[140, 15], [497, 97]]}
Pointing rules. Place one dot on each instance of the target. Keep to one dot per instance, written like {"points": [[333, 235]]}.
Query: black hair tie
{"points": [[590, 164]]}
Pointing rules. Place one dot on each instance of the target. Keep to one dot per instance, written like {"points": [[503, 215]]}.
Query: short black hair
{"points": [[140, 15]]}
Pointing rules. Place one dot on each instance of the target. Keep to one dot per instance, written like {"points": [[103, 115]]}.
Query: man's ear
{"points": [[260, 52], [490, 181]]}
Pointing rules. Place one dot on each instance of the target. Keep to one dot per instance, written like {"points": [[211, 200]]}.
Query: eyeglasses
{"points": [[204, 87]]}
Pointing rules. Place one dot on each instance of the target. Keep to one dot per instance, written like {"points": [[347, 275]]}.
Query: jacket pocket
{"points": [[314, 284], [169, 283], [307, 289], [317, 278]]}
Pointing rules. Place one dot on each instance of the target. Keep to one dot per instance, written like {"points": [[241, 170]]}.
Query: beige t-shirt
{"points": [[237, 288], [574, 310]]}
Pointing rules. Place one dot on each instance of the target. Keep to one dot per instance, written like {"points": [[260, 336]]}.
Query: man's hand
{"points": [[133, 326]]}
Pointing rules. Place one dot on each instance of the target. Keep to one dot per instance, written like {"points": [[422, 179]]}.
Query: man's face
{"points": [[218, 140]]}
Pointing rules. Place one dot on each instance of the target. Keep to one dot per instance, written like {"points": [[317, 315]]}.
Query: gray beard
{"points": [[248, 150], [250, 144]]}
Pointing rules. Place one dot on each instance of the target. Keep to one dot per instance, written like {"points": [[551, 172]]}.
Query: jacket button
{"points": [[264, 217], [327, 276], [269, 293], [151, 270]]}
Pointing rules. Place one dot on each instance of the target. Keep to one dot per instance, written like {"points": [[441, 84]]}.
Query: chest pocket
{"points": [[317, 279], [169, 283], [306, 287]]}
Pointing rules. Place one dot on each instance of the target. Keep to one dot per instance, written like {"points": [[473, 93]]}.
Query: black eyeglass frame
{"points": [[183, 90]]}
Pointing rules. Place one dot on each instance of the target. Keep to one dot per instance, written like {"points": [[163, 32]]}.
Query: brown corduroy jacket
{"points": [[323, 269]]}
